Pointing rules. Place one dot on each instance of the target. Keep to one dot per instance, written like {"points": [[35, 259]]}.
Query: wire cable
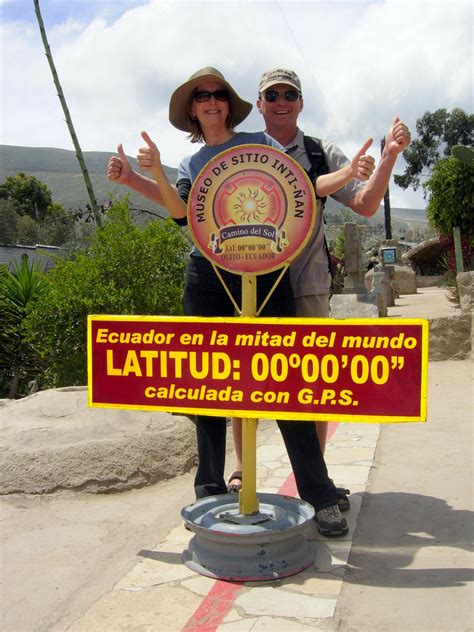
{"points": [[328, 111]]}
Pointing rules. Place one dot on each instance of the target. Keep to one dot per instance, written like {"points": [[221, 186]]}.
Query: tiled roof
{"points": [[44, 255]]}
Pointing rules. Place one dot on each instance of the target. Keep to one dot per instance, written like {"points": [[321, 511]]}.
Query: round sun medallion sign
{"points": [[251, 209]]}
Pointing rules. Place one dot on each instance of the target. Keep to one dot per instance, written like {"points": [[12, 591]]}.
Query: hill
{"points": [[59, 170], [410, 215]]}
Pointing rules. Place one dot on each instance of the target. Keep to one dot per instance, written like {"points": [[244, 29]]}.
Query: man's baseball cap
{"points": [[279, 75]]}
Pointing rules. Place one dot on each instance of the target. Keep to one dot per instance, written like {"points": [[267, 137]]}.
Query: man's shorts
{"points": [[312, 306]]}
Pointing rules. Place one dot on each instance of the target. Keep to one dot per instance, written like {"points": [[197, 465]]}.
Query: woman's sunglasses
{"points": [[204, 95], [272, 95]]}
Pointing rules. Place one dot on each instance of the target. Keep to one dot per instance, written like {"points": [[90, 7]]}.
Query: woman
{"points": [[208, 108]]}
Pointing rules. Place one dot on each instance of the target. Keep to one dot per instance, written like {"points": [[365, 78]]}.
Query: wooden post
{"points": [[386, 204], [458, 249]]}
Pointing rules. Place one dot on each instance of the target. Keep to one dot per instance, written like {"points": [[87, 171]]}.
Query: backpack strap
{"points": [[319, 166], [317, 159]]}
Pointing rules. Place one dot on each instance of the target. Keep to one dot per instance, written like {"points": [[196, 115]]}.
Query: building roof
{"points": [[44, 256]]}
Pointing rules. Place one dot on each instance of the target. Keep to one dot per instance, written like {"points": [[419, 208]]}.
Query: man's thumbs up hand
{"points": [[363, 166]]}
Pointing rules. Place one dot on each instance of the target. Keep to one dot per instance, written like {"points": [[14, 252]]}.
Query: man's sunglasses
{"points": [[204, 95], [272, 95]]}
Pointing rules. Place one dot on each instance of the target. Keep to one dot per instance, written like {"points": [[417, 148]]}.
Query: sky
{"points": [[360, 64]]}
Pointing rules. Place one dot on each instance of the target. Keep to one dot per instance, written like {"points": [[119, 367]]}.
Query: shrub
{"points": [[125, 270], [451, 191], [448, 258], [19, 289]]}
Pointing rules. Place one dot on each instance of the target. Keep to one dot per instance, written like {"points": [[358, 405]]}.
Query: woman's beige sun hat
{"points": [[178, 116]]}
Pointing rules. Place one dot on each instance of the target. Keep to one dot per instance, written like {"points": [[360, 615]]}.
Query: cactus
{"points": [[79, 155]]}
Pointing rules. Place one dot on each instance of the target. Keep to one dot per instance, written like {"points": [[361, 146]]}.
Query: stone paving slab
{"points": [[165, 594]]}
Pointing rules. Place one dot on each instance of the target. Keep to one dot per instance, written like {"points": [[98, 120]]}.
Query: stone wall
{"points": [[451, 337], [428, 280]]}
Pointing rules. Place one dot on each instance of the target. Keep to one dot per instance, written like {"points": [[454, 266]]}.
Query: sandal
{"points": [[342, 499], [235, 487]]}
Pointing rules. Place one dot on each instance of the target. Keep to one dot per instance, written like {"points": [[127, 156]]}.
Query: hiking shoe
{"points": [[330, 522]]}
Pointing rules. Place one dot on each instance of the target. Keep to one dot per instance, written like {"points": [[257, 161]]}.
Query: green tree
{"points": [[19, 289], [8, 218], [57, 228], [339, 246], [126, 270], [28, 195], [29, 216], [437, 133], [464, 154], [26, 230], [336, 256], [451, 194]]}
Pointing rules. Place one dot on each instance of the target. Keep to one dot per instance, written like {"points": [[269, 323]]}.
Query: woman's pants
{"points": [[205, 296]]}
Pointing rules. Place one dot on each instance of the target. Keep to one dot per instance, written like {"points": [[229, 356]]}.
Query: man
{"points": [[280, 102], [280, 109]]}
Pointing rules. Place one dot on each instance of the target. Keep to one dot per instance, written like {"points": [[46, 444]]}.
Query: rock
{"points": [[450, 338], [53, 441], [354, 306], [404, 279]]}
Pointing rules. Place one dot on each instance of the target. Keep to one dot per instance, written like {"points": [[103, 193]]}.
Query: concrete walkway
{"points": [[113, 562], [108, 563], [411, 564], [428, 302]]}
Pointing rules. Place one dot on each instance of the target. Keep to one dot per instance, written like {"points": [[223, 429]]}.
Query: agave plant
{"points": [[18, 360]]}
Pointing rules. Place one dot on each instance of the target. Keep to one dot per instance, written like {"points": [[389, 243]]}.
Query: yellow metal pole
{"points": [[248, 502]]}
